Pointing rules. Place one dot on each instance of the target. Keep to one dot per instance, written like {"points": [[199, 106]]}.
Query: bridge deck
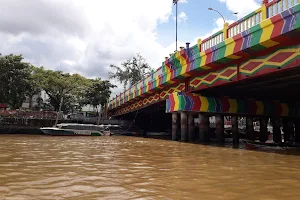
{"points": [[261, 47]]}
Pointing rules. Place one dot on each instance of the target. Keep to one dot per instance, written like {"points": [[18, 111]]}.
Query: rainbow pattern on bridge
{"points": [[279, 59], [157, 97], [180, 101], [270, 34]]}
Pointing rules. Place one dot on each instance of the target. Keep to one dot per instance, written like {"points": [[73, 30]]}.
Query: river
{"points": [[119, 167]]}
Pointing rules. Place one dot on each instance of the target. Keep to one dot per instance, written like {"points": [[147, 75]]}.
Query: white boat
{"points": [[70, 129]]}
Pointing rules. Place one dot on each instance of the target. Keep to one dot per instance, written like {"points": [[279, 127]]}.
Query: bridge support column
{"points": [[203, 127], [191, 127], [184, 127], [291, 130], [220, 129], [175, 126], [285, 129], [235, 131], [288, 129], [276, 130], [249, 128], [297, 130], [263, 136]]}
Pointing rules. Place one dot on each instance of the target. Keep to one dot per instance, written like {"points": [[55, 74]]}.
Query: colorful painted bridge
{"points": [[251, 67]]}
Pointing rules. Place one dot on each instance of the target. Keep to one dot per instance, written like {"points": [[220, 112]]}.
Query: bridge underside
{"points": [[282, 85]]}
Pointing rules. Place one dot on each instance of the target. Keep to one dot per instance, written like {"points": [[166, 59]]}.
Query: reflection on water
{"points": [[41, 167]]}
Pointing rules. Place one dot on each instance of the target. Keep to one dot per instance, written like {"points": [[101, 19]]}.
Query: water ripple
{"points": [[42, 168]]}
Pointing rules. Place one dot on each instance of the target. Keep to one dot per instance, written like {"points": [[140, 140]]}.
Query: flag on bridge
{"points": [[175, 1]]}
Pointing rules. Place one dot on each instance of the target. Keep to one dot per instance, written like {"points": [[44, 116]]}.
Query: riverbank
{"points": [[21, 130]]}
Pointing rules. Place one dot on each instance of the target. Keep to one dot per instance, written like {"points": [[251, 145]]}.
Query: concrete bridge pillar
{"points": [[191, 127], [235, 131], [175, 126], [285, 128], [249, 128], [263, 136], [220, 129], [184, 127], [276, 130], [288, 129], [203, 127], [291, 130], [297, 130]]}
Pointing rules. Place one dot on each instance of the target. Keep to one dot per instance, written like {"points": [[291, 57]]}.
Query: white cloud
{"points": [[243, 7], [181, 17], [219, 26], [96, 33], [183, 1], [83, 36]]}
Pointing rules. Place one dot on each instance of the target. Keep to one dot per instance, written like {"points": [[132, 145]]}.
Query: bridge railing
{"points": [[277, 6], [245, 23], [212, 40], [268, 9]]}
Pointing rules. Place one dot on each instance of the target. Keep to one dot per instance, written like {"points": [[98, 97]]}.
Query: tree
{"points": [[34, 86], [132, 71], [14, 78], [62, 88], [98, 93]]}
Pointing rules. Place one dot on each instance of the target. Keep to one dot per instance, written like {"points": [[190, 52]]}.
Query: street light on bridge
{"points": [[235, 13]]}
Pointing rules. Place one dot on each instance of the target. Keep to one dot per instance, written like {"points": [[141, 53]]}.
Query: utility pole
{"points": [[175, 2]]}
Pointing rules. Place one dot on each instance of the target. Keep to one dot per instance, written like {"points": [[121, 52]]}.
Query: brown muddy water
{"points": [[119, 167]]}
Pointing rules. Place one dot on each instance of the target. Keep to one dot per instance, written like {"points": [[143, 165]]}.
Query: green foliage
{"points": [[132, 71], [20, 80], [59, 85], [97, 93], [15, 80]]}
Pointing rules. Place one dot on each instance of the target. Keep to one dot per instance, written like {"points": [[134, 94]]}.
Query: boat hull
{"points": [[70, 132]]}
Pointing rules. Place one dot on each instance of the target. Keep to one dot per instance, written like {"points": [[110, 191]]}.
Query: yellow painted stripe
{"points": [[183, 64], [206, 67], [233, 106], [168, 78], [230, 44], [203, 60], [204, 104], [157, 82], [265, 39], [233, 57], [260, 107], [176, 102]]}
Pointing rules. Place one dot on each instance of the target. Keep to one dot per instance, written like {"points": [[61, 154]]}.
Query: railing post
{"points": [[225, 31], [199, 42], [187, 46], [264, 10]]}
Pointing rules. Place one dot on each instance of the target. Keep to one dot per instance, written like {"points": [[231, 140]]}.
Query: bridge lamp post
{"points": [[235, 13], [175, 2]]}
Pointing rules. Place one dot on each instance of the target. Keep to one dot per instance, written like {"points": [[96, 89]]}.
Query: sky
{"points": [[86, 36]]}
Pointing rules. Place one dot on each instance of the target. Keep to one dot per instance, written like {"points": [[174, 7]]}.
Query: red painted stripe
{"points": [[208, 53], [197, 103], [252, 106], [278, 23], [278, 110], [271, 3], [232, 25], [225, 104], [238, 43], [172, 102]]}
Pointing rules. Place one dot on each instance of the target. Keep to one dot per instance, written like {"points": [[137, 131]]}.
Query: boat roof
{"points": [[90, 125]]}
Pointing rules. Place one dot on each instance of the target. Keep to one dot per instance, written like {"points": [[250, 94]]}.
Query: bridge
{"points": [[250, 69]]}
